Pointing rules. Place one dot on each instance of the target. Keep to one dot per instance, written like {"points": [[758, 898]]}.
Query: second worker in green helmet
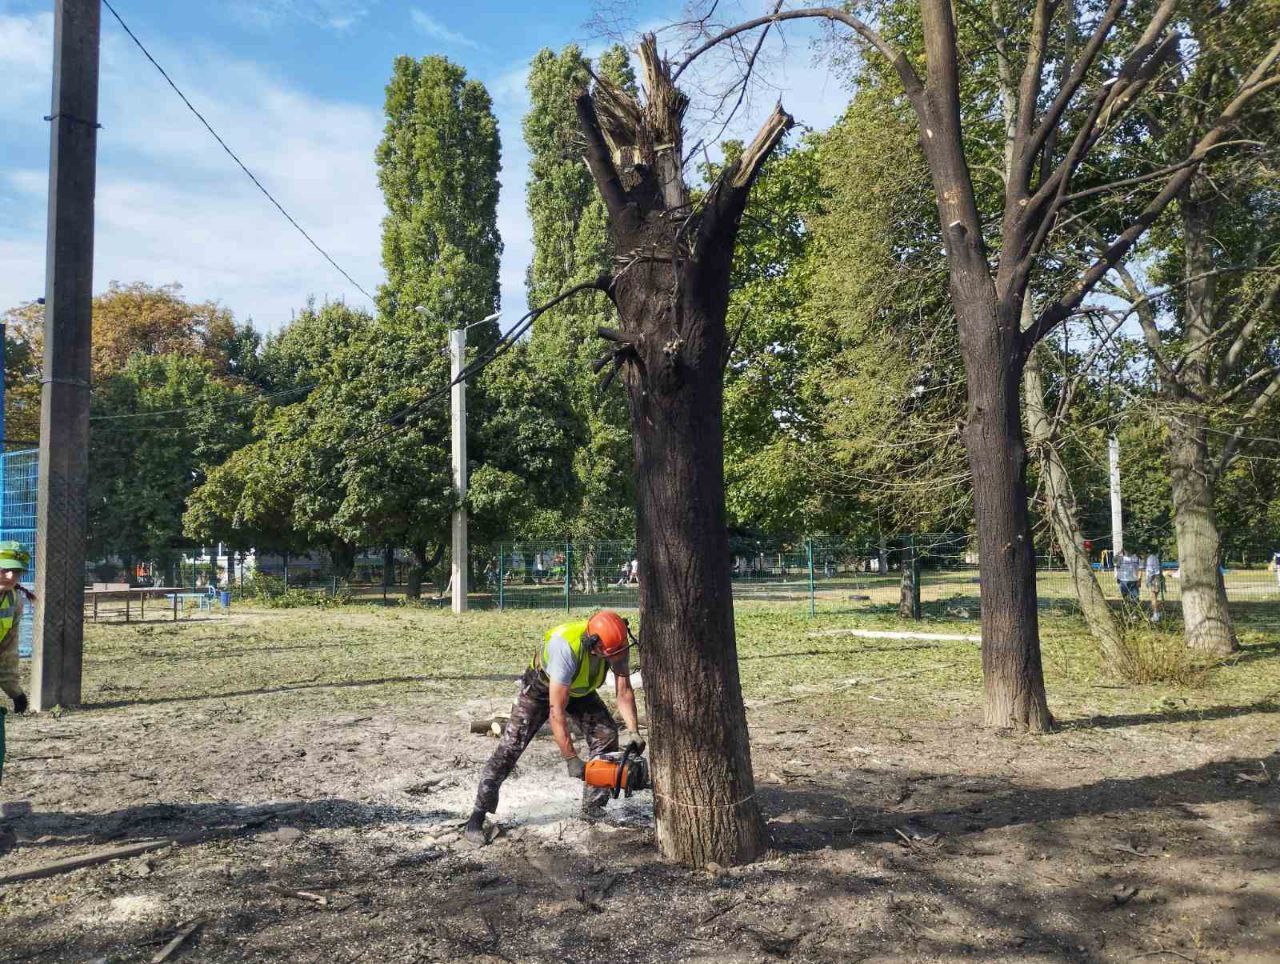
{"points": [[14, 561]]}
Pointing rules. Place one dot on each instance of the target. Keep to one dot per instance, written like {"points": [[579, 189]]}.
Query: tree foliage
{"points": [[570, 243]]}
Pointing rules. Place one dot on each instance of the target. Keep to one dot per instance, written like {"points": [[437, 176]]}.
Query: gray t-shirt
{"points": [[561, 666]]}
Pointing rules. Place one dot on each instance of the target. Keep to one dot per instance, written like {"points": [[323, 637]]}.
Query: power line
{"points": [[399, 420], [232, 154], [205, 408]]}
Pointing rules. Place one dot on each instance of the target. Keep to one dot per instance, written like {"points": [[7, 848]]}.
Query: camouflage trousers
{"points": [[588, 716]]}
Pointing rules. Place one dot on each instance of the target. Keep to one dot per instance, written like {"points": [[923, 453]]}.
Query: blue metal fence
{"points": [[18, 520]]}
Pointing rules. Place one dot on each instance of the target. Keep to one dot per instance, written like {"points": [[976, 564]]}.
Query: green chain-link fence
{"points": [[821, 574]]}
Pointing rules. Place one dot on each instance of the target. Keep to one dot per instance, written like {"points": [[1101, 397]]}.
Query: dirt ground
{"points": [[316, 765]]}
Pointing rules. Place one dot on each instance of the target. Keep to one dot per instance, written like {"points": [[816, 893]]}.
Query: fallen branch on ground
{"points": [[183, 935], [55, 867]]}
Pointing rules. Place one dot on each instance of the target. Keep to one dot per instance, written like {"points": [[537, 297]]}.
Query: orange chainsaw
{"points": [[619, 773]]}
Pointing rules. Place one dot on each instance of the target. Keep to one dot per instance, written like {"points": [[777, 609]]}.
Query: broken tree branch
{"points": [[600, 159], [761, 146]]}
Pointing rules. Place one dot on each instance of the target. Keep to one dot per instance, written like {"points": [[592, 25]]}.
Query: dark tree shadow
{"points": [[1120, 720], [291, 687], [830, 816], [851, 651]]}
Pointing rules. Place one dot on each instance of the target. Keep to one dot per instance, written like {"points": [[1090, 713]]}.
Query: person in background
{"points": [[1129, 575], [14, 561], [1155, 583]]}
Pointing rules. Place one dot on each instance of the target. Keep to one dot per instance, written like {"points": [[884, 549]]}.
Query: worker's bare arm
{"points": [[559, 698], [626, 698]]}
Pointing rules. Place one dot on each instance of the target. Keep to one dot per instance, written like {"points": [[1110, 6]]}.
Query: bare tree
{"points": [[1060, 116], [670, 284]]}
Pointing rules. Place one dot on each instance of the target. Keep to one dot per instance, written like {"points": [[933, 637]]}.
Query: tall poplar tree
{"points": [[570, 242], [438, 168]]}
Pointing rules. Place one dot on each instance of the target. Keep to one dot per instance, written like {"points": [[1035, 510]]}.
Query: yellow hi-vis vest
{"points": [[591, 671], [8, 612]]}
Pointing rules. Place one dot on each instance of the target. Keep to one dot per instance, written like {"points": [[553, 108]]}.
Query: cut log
{"points": [[494, 725]]}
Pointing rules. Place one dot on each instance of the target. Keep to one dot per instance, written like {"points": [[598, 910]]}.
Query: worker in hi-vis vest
{"points": [[561, 682], [14, 561]]}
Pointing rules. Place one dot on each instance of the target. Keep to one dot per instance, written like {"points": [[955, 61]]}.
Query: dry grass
{"points": [[1153, 655]]}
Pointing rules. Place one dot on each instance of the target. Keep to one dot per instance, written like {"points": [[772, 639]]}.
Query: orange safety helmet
{"points": [[610, 632]]}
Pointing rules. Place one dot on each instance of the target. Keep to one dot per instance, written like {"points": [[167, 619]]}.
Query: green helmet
{"points": [[13, 556]]}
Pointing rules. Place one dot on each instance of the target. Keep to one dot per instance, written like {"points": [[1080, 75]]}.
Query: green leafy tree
{"points": [[526, 441], [889, 385], [22, 365], [777, 448], [160, 425], [438, 167], [570, 246]]}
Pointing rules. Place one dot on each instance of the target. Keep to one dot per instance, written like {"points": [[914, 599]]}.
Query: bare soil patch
{"points": [[317, 766]]}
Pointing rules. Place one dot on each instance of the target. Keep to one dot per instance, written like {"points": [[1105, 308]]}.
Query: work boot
{"points": [[474, 830]]}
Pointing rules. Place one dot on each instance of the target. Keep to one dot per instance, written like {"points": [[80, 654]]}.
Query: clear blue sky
{"points": [[296, 88]]}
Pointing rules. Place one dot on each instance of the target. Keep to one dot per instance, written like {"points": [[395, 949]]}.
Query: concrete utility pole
{"points": [[1117, 516], [458, 421], [64, 398]]}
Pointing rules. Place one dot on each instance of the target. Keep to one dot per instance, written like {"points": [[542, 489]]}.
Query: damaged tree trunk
{"points": [[1060, 500], [671, 289]]}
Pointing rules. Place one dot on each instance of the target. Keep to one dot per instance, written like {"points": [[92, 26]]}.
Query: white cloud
{"points": [[171, 206], [25, 45], [429, 26], [336, 15]]}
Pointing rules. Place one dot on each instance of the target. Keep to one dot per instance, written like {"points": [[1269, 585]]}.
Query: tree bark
{"points": [[672, 293], [422, 565], [705, 807], [342, 555], [417, 572], [1063, 514], [1206, 619], [1013, 676]]}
